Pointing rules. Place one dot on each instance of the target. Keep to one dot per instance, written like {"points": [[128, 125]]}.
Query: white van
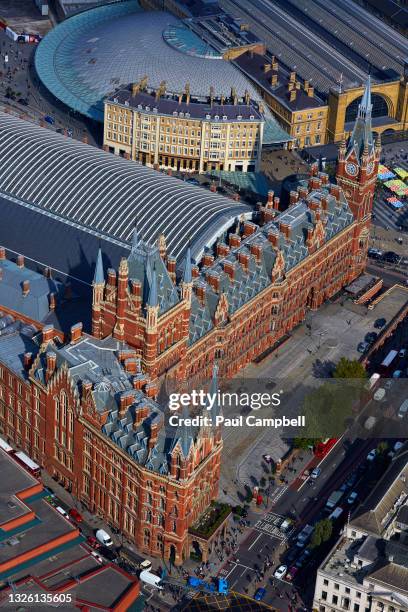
{"points": [[103, 537]]}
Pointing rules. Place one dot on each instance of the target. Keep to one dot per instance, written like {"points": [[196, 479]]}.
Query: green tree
{"points": [[305, 443], [382, 448], [322, 533], [349, 368]]}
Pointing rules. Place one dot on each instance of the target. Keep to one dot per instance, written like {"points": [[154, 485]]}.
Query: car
{"points": [[108, 553], [379, 323], [379, 394], [74, 514], [260, 594], [291, 573], [352, 497], [280, 572], [375, 253], [49, 119], [315, 473], [92, 542], [397, 374], [97, 557], [351, 480], [192, 181], [343, 487], [372, 455], [371, 337], [397, 446], [391, 257], [402, 352], [362, 347], [62, 511], [22, 101]]}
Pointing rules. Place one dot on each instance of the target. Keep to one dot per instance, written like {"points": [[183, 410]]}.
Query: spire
{"points": [[135, 238], [362, 136], [152, 300], [187, 275], [99, 277]]}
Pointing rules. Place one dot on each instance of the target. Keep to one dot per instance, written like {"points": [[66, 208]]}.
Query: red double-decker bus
{"points": [[322, 448]]}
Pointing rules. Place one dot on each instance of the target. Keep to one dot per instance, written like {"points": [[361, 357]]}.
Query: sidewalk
{"points": [[387, 240]]}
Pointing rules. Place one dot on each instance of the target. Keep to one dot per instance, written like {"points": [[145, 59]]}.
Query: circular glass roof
{"points": [[90, 55]]}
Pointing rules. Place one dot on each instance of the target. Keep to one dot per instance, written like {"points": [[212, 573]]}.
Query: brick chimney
{"points": [[302, 192], [131, 365], [292, 95], [229, 268], [276, 201], [310, 91], [51, 365], [2, 253], [52, 301], [126, 400], [324, 177], [20, 261], [315, 182], [195, 271], [274, 79], [151, 389], [313, 204], [249, 228], [154, 433], [269, 202], [234, 241], [293, 198], [285, 229], [47, 333], [208, 259], [141, 413], [214, 280], [171, 267], [273, 239], [136, 287], [243, 259], [27, 360], [25, 287], [222, 249], [200, 292], [335, 191], [256, 251], [325, 203], [76, 333]]}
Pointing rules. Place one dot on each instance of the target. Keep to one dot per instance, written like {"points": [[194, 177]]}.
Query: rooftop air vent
{"points": [[239, 117], [216, 117], [224, 117], [208, 116]]}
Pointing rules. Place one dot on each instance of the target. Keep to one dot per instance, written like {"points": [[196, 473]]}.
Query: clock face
{"points": [[370, 167], [351, 169]]}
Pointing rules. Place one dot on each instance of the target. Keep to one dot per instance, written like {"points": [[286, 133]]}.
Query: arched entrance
{"points": [[172, 556], [380, 107], [196, 553]]}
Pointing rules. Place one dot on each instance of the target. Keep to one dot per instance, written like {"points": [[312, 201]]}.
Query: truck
{"points": [[304, 536], [334, 499]]}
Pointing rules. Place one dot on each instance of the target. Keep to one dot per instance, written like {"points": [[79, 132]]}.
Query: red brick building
{"points": [[257, 285], [86, 410]]}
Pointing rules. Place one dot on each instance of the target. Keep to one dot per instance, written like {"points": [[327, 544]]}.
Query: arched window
{"points": [[63, 402], [380, 108]]}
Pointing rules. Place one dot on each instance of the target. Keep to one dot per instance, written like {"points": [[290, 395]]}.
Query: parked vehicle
{"points": [[93, 542], [391, 257], [74, 514], [372, 455], [280, 572], [260, 594], [352, 497], [103, 537], [402, 353], [337, 512], [375, 253], [362, 347], [291, 573], [379, 394], [379, 323], [49, 119], [315, 473], [304, 536], [371, 337], [334, 499], [403, 409], [62, 511]]}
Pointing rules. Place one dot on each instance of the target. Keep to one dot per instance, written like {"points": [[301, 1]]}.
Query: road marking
{"points": [[255, 541]]}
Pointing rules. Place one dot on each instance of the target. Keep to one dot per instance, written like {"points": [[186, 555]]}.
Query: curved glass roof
{"points": [[90, 55], [106, 193], [183, 39]]}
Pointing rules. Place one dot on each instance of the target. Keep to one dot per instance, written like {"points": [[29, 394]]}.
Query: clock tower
{"points": [[356, 174], [358, 160]]}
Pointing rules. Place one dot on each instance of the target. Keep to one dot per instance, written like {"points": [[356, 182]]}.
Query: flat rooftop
{"points": [[13, 479]]}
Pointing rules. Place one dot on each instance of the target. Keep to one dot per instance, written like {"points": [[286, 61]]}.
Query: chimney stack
{"points": [[28, 360], [276, 201], [269, 202], [26, 287], [2, 253], [273, 239], [76, 333], [47, 333], [20, 261], [53, 301], [285, 229], [249, 228], [195, 271], [234, 241], [200, 292], [243, 258], [111, 277], [293, 198], [51, 365], [274, 79]]}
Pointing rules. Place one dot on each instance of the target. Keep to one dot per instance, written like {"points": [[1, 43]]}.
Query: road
{"points": [[266, 543]]}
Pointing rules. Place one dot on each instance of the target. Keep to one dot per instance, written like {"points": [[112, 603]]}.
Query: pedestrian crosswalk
{"points": [[270, 524]]}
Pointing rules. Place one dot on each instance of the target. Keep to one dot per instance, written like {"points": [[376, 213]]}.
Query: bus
{"points": [[6, 447], [321, 449], [28, 463], [387, 364]]}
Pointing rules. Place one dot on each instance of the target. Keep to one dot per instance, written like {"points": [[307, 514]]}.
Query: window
{"points": [[335, 599], [356, 607], [324, 595], [347, 590]]}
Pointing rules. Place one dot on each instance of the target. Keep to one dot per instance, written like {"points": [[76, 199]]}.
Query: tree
{"points": [[322, 533], [305, 443], [349, 368], [382, 448]]}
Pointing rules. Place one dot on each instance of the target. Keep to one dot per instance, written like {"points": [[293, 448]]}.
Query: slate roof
{"points": [[97, 362], [15, 340], [247, 284], [35, 304]]}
